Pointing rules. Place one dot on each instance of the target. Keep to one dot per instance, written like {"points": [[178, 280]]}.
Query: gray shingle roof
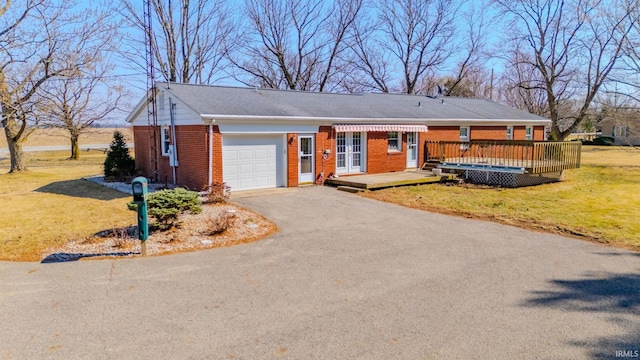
{"points": [[237, 101]]}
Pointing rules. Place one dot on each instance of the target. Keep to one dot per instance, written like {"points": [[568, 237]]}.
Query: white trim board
{"points": [[267, 129]]}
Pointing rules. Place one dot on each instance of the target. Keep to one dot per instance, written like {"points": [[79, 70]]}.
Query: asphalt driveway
{"points": [[344, 278]]}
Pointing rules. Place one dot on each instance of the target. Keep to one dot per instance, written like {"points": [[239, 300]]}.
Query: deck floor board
{"points": [[385, 180]]}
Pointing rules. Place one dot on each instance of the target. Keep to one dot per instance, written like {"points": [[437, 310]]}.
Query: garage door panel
{"points": [[251, 162], [245, 169], [264, 182], [261, 154], [230, 171], [262, 168], [245, 154]]}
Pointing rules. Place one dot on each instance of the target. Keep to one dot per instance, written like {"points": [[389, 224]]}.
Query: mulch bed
{"points": [[193, 233]]}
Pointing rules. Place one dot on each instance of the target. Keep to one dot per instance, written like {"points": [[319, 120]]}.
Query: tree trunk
{"points": [[75, 148], [11, 132]]}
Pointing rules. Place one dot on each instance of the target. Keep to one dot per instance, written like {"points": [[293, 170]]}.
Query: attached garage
{"points": [[253, 161]]}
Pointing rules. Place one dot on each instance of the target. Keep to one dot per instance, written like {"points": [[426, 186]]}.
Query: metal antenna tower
{"points": [[152, 114]]}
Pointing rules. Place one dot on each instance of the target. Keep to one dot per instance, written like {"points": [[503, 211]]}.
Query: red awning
{"points": [[381, 128]]}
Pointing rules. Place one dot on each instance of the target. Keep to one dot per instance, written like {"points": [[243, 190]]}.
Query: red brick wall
{"points": [[442, 133], [435, 133], [142, 137], [325, 139], [142, 150], [488, 133], [519, 132], [292, 160], [217, 155], [538, 133], [193, 156], [422, 137], [379, 160]]}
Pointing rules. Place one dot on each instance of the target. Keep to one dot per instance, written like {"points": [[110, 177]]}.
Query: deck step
{"points": [[350, 189], [429, 165]]}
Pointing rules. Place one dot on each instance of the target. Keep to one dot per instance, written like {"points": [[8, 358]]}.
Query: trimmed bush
{"points": [[119, 164], [166, 206], [603, 140]]}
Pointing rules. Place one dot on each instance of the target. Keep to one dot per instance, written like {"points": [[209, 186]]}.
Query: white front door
{"points": [[350, 152], [305, 159], [412, 150]]}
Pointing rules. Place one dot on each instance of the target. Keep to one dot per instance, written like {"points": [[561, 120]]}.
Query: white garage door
{"points": [[253, 161]]}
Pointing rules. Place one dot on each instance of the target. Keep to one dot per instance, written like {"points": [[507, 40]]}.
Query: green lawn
{"points": [[599, 202], [51, 204]]}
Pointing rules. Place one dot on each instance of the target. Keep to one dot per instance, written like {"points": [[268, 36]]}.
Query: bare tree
{"points": [[519, 86], [416, 39], [79, 100], [296, 44], [573, 45], [470, 77], [371, 63], [475, 82], [626, 78], [39, 40], [191, 38]]}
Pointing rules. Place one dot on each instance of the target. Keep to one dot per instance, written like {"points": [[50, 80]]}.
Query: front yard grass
{"points": [[598, 202], [51, 204]]}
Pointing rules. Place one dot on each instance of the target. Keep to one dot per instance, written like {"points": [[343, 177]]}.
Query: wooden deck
{"points": [[499, 164], [386, 180], [530, 157]]}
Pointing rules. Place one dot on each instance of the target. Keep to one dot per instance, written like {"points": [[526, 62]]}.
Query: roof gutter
{"points": [[255, 118]]}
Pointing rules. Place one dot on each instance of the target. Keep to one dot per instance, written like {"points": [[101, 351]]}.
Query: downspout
{"points": [[174, 164], [210, 178]]}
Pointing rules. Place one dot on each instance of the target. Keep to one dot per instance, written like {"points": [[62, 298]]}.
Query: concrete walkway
{"points": [[345, 278]]}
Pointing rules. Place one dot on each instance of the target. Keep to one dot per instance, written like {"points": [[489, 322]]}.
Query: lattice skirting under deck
{"points": [[508, 179]]}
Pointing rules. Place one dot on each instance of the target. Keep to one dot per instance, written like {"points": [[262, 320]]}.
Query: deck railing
{"points": [[534, 156]]}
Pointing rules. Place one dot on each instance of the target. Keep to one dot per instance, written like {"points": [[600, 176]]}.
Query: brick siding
{"points": [[538, 133], [292, 160], [488, 133], [325, 139], [379, 159], [217, 155], [193, 156]]}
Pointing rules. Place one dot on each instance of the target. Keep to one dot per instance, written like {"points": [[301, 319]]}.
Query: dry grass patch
{"points": [[51, 203], [599, 202], [53, 137]]}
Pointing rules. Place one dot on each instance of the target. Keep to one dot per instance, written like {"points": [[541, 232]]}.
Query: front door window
{"points": [[412, 150], [305, 161], [350, 152]]}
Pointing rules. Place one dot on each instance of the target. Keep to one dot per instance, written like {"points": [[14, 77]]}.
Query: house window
{"points": [[464, 133], [464, 137], [393, 141], [528, 133], [620, 131], [509, 132], [165, 140]]}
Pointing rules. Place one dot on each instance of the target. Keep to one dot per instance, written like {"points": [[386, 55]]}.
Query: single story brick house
{"points": [[254, 138]]}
